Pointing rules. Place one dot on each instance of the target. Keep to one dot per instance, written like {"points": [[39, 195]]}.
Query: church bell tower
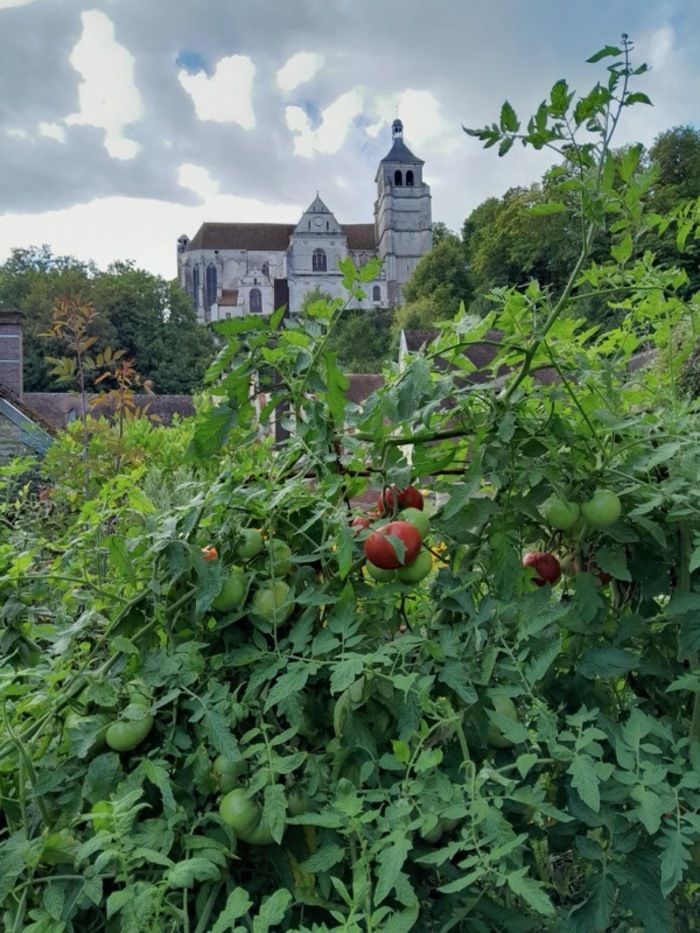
{"points": [[402, 213]]}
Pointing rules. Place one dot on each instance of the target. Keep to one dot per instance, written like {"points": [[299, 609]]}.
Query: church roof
{"points": [[273, 237], [400, 152]]}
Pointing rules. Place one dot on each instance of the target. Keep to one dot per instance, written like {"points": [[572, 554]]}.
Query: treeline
{"points": [[533, 233], [149, 318]]}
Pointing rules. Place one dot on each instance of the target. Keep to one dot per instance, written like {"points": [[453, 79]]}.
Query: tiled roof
{"points": [[362, 385], [265, 237], [400, 152], [55, 408], [25, 406]]}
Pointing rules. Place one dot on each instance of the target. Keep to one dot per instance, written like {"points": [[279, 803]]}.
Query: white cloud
{"points": [[17, 132], [332, 131], [9, 4], [140, 228], [108, 94], [298, 69], [52, 131], [226, 96], [425, 125], [197, 179]]}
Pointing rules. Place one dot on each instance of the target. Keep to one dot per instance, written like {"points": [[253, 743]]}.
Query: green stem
{"points": [[683, 586]]}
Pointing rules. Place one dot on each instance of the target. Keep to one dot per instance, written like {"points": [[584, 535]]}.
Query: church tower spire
{"points": [[402, 213]]}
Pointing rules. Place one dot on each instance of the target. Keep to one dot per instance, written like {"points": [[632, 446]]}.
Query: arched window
{"points": [[211, 284], [255, 300], [398, 177], [187, 283], [266, 269], [376, 293], [318, 261], [409, 178], [195, 287]]}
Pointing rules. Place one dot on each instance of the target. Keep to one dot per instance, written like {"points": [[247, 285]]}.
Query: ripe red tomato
{"points": [[408, 498], [209, 552], [546, 566], [379, 550], [359, 523]]}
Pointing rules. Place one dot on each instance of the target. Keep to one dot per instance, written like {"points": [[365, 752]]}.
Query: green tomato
{"points": [[560, 513], [504, 706], [124, 736], [239, 812], [418, 519], [271, 603], [227, 771], [251, 543], [278, 561], [244, 817], [377, 573], [603, 509], [232, 593], [418, 570], [103, 819]]}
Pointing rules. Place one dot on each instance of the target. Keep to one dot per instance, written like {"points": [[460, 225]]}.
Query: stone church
{"points": [[231, 269]]}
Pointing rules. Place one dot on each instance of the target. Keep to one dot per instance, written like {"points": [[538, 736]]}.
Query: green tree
{"points": [[438, 285], [151, 319]]}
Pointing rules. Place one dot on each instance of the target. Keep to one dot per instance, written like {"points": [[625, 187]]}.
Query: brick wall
{"points": [[11, 351]]}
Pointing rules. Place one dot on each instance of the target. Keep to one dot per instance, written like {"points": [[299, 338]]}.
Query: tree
{"points": [[438, 285], [151, 319]]}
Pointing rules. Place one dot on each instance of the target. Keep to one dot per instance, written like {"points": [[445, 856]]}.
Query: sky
{"points": [[125, 123]]}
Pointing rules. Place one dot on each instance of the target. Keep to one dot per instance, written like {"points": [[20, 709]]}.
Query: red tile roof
{"points": [[265, 237]]}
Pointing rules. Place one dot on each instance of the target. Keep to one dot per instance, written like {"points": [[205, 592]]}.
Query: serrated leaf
{"points": [[288, 684], [607, 662], [237, 905], [585, 781], [531, 891], [509, 121], [324, 858], [185, 873], [622, 251], [674, 859], [346, 673], [390, 861], [272, 911], [606, 52], [638, 97], [275, 810]]}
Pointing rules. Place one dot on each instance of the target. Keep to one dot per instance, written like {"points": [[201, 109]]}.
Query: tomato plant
{"points": [[461, 752]]}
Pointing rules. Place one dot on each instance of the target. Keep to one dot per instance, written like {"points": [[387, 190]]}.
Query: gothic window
{"points": [[266, 269], [398, 177], [195, 286], [376, 293], [187, 284], [409, 178], [318, 261], [255, 299], [211, 285]]}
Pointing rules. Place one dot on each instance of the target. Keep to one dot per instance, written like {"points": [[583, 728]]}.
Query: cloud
{"points": [[197, 179], [226, 96], [427, 126], [299, 69], [108, 95], [9, 4], [52, 131], [332, 131]]}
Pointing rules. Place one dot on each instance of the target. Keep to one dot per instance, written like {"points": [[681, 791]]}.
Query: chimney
{"points": [[11, 326]]}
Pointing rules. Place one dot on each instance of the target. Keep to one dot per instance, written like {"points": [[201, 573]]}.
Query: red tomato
{"points": [[209, 552], [408, 498], [379, 550], [546, 566], [359, 523]]}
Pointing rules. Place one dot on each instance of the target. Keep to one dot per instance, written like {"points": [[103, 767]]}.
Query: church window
{"points": [[409, 178], [195, 286], [327, 226], [266, 269], [255, 299], [318, 261], [376, 293], [398, 177], [211, 285]]}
